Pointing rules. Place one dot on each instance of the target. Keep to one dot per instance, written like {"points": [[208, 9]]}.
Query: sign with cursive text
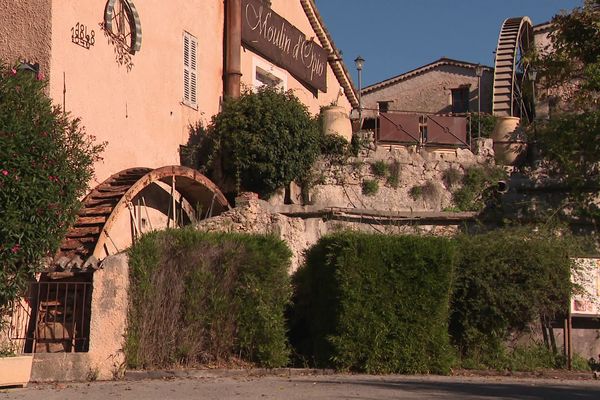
{"points": [[273, 37]]}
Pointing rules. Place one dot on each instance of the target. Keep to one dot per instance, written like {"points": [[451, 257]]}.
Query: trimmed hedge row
{"points": [[505, 280], [362, 302], [375, 303], [411, 304], [202, 298]]}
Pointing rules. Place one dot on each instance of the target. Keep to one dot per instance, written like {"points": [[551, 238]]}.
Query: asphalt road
{"points": [[362, 387]]}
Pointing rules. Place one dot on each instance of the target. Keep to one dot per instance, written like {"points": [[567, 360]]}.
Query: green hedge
{"points": [[375, 303], [202, 298], [505, 280]]}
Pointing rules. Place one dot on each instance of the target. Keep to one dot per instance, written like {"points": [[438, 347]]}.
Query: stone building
{"points": [[442, 87]]}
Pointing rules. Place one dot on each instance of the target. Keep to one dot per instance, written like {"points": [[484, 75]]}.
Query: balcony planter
{"points": [[15, 371]]}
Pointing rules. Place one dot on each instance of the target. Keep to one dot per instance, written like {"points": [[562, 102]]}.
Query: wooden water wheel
{"points": [[510, 73], [135, 201]]}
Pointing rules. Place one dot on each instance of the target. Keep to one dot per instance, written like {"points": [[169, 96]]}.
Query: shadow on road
{"points": [[517, 391]]}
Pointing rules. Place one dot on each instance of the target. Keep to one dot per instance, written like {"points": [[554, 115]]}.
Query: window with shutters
{"points": [[460, 99], [190, 70], [384, 106]]}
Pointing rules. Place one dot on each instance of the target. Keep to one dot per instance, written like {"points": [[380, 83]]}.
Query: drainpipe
{"points": [[233, 48]]}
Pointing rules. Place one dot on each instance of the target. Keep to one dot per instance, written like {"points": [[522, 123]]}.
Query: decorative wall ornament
{"points": [[81, 37], [123, 29], [122, 23]]}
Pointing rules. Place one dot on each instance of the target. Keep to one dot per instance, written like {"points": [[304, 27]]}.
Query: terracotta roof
{"points": [[335, 59], [543, 27], [425, 68]]}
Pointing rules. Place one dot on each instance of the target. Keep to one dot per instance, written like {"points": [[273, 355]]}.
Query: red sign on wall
{"points": [[273, 37]]}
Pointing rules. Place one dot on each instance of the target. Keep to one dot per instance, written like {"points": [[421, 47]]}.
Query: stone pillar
{"points": [[109, 317]]}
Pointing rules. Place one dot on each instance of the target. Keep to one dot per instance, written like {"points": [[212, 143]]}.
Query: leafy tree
{"points": [[571, 66], [570, 140], [262, 141], [46, 162], [488, 122]]}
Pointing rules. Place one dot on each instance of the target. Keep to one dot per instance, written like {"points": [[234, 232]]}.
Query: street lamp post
{"points": [[359, 62], [479, 73]]}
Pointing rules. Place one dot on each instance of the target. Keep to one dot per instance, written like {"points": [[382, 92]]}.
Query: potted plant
{"points": [[15, 369]]}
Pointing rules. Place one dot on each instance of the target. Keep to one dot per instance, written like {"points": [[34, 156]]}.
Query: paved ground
{"points": [[359, 387]]}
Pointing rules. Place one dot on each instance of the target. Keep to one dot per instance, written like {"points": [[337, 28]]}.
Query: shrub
{"points": [[357, 144], [200, 298], [393, 178], [578, 363], [335, 148], [416, 192], [380, 169], [534, 357], [370, 187], [46, 162], [198, 152], [488, 122], [261, 142], [451, 177], [505, 280], [429, 191], [374, 303], [477, 189]]}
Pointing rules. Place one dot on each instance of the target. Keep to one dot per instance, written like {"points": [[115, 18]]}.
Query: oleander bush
{"points": [[375, 304], [46, 162], [207, 299]]}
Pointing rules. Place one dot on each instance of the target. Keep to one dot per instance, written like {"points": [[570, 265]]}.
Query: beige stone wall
{"points": [[25, 30], [255, 217], [430, 91], [341, 186], [110, 302], [301, 233]]}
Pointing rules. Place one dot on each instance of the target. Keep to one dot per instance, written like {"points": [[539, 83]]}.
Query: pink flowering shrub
{"points": [[46, 161]]}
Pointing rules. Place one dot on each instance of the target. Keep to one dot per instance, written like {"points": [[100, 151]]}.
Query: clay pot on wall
{"points": [[509, 141], [336, 122]]}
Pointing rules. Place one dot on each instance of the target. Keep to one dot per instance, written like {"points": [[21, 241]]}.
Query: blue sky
{"points": [[395, 36]]}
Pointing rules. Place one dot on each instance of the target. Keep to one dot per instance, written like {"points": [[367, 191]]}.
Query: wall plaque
{"points": [[274, 38]]}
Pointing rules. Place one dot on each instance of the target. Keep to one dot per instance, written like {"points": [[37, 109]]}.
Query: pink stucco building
{"points": [[138, 73]]}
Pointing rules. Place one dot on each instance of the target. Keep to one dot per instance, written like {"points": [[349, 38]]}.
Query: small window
{"points": [[460, 100], [266, 78], [266, 74], [384, 106], [190, 70]]}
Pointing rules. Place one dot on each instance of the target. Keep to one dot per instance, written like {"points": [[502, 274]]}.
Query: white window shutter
{"points": [[193, 70], [190, 71]]}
